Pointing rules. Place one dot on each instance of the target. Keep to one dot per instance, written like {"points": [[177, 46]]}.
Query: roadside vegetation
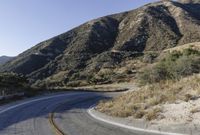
{"points": [[173, 66], [145, 102], [14, 87], [171, 78], [12, 83]]}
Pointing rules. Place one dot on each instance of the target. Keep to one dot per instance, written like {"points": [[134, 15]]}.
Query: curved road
{"points": [[31, 117]]}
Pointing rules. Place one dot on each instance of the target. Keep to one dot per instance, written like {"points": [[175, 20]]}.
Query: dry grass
{"points": [[152, 114], [195, 46], [195, 110], [143, 103]]}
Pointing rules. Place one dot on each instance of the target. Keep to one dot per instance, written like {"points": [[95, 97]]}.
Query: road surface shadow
{"points": [[43, 108]]}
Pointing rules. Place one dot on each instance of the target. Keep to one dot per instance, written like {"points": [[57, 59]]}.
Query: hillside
{"points": [[173, 79], [4, 59], [90, 53]]}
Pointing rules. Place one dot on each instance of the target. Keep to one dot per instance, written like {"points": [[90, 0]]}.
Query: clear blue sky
{"points": [[24, 23]]}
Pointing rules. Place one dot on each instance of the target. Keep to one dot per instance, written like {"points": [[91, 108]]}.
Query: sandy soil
{"points": [[180, 113]]}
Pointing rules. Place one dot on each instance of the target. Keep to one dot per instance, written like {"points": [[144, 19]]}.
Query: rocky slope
{"points": [[106, 42]]}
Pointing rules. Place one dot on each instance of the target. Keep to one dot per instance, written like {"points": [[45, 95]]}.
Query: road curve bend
{"points": [[31, 117]]}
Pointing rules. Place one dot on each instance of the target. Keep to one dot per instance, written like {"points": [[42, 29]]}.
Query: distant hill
{"points": [[4, 59], [87, 52]]}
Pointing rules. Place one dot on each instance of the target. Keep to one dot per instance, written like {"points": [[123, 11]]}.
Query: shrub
{"points": [[152, 114], [174, 66], [148, 100], [75, 76], [186, 65], [12, 83], [149, 57], [73, 83], [102, 77], [190, 51]]}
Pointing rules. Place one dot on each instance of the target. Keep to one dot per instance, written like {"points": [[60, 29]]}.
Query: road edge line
{"points": [[89, 111], [34, 100]]}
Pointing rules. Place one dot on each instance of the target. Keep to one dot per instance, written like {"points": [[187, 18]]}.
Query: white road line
{"points": [[128, 127], [35, 100]]}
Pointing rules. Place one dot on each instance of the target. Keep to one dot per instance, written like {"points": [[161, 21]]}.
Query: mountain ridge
{"points": [[107, 41], [4, 59]]}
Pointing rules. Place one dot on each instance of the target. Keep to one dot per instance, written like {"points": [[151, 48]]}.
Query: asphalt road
{"points": [[71, 116]]}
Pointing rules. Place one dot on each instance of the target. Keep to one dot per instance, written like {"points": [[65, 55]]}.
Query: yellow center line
{"points": [[54, 127]]}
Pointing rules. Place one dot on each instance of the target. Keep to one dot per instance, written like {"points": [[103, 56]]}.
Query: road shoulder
{"points": [[138, 125]]}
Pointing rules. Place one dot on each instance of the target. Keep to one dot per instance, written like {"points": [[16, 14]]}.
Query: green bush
{"points": [[73, 84], [100, 79], [174, 66], [12, 80], [186, 65], [150, 57], [12, 83], [190, 51]]}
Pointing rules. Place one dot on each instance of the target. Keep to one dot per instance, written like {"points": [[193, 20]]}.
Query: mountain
{"points": [[4, 59], [91, 51]]}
